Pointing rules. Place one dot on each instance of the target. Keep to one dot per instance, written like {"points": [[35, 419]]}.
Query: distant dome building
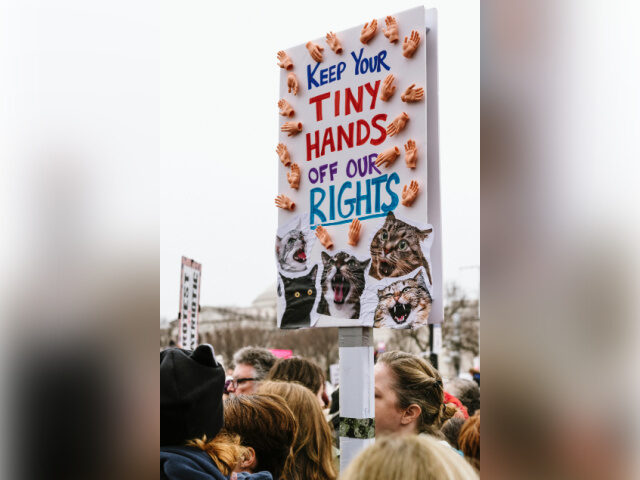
{"points": [[260, 314], [268, 299]]}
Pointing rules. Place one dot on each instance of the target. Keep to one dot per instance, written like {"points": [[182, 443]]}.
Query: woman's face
{"points": [[388, 415]]}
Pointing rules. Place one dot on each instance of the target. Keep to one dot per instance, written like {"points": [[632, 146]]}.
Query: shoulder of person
{"points": [[186, 463]]}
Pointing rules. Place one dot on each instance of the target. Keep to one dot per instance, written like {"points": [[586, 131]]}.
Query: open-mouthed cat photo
{"points": [[342, 285], [404, 304], [397, 250], [293, 246]]}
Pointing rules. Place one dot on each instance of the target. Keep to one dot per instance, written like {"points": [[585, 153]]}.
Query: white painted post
{"points": [[357, 406], [357, 413]]}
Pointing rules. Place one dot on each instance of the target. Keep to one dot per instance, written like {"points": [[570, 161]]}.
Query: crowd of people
{"points": [[275, 419]]}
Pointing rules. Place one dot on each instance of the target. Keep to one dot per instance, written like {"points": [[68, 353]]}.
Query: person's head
{"points": [[408, 395], [467, 391], [267, 427], [312, 451], [408, 457], [469, 440], [451, 430], [251, 366], [191, 384], [301, 370]]}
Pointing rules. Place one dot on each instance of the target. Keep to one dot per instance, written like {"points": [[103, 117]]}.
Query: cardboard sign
{"points": [[348, 118], [190, 274]]}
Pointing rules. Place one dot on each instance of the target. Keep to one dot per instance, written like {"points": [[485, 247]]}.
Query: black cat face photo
{"points": [[300, 295]]}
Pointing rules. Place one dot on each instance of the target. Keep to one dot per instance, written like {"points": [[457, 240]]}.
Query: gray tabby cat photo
{"points": [[291, 250], [403, 304], [396, 250], [342, 285]]}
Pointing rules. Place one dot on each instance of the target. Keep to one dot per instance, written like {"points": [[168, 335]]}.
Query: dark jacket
{"points": [[188, 463]]}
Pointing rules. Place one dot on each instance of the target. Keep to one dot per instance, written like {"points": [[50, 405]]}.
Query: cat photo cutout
{"points": [[293, 246], [397, 249], [342, 285], [404, 304], [300, 296]]}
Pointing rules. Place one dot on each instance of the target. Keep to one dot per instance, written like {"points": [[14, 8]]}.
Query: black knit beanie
{"points": [[191, 384]]}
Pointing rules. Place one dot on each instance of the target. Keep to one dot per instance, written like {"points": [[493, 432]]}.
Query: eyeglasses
{"points": [[239, 381]]}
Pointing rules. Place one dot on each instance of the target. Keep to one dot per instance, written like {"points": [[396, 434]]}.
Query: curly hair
{"points": [[225, 450], [469, 440], [259, 358]]}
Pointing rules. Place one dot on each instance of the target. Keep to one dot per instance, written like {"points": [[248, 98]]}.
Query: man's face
{"points": [[240, 375], [388, 415]]}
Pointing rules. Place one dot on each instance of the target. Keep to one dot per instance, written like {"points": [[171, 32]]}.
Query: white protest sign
{"points": [[334, 373], [348, 116], [190, 274]]}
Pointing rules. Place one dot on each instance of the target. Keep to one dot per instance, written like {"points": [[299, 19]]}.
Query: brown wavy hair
{"points": [[265, 423], [469, 440], [298, 369], [417, 382], [225, 450], [312, 450]]}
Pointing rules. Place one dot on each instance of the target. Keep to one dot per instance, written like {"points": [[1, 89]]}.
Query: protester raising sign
{"points": [[352, 247]]}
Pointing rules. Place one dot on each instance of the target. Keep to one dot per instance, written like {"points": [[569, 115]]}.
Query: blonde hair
{"points": [[225, 450], [417, 382], [409, 457], [312, 449]]}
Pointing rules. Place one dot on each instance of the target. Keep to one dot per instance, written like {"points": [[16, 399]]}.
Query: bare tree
{"points": [[461, 327], [228, 340], [319, 344], [409, 340]]}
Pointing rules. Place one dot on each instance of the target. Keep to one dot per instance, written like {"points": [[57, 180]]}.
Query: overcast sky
{"points": [[220, 127]]}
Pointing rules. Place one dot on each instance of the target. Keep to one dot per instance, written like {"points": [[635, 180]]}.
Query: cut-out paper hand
{"points": [[410, 44], [387, 157], [292, 83], [315, 51], [334, 43], [409, 193], [292, 128], [282, 201], [368, 31], [412, 94], [324, 237], [285, 61], [411, 154], [354, 232], [391, 32], [283, 153], [388, 88], [398, 124], [286, 110], [293, 177]]}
